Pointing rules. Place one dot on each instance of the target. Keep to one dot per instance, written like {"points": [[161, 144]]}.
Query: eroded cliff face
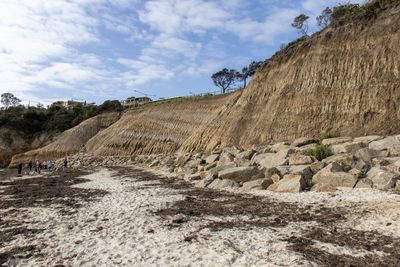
{"points": [[345, 80], [159, 127], [70, 141]]}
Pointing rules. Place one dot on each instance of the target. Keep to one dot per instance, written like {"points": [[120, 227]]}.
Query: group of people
{"points": [[38, 165]]}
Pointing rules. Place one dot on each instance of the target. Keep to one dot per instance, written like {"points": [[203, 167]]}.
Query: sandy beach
{"points": [[125, 216]]}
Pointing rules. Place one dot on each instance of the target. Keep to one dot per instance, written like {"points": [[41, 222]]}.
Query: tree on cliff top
{"points": [[325, 18], [301, 24], [248, 72], [9, 100], [224, 78]]}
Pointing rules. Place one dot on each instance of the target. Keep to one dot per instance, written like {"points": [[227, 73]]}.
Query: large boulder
{"points": [[334, 175], [270, 160], [279, 147], [382, 179], [302, 141], [394, 151], [231, 150], [348, 147], [384, 144], [366, 154], [346, 160], [367, 139], [364, 183], [204, 182], [336, 140], [239, 174], [248, 154], [212, 158], [192, 177], [220, 184], [291, 183], [262, 183], [303, 170], [214, 171], [299, 159], [225, 159]]}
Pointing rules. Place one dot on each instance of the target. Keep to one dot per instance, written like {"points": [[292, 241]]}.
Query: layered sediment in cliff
{"points": [[344, 80], [70, 141], [159, 127]]}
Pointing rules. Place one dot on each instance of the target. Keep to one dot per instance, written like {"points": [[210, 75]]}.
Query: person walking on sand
{"points": [[65, 163], [20, 169]]}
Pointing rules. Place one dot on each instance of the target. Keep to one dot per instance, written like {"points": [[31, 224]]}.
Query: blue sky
{"points": [[106, 49]]}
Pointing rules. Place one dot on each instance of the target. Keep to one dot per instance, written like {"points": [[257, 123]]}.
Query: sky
{"points": [[113, 49]]}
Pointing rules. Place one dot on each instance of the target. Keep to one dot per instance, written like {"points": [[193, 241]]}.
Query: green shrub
{"points": [[321, 152]]}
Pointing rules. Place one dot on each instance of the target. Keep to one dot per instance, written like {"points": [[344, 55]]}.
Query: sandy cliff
{"points": [[70, 141]]}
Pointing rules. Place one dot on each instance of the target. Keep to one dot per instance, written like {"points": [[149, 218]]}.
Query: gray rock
{"points": [[317, 166], [225, 159], [346, 160], [205, 182], [394, 151], [367, 154], [334, 175], [336, 140], [384, 144], [307, 149], [302, 141], [364, 183], [238, 174], [382, 179], [262, 183], [192, 177], [210, 166], [303, 170], [279, 147], [214, 171], [154, 163], [248, 154], [212, 158], [290, 183], [270, 160], [231, 150], [276, 178], [348, 147], [367, 139], [220, 184], [298, 159]]}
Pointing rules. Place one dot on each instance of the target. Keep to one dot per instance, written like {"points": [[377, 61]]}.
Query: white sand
{"points": [[114, 231]]}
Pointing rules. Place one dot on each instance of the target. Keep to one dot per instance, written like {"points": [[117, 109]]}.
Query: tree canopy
{"points": [[9, 100], [224, 78], [301, 24]]}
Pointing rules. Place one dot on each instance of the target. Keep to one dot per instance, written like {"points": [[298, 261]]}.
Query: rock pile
{"points": [[363, 162]]}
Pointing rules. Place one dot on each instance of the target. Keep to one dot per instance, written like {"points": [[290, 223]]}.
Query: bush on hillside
{"points": [[321, 152]]}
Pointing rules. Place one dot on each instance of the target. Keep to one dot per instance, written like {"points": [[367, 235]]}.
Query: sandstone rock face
{"points": [[334, 175], [238, 174], [263, 183], [382, 179], [290, 183], [220, 184]]}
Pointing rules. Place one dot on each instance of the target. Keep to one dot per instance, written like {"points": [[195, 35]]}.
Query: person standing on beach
{"points": [[20, 169], [30, 166], [65, 163]]}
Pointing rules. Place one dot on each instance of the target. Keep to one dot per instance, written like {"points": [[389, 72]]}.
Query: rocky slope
{"points": [[70, 141]]}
